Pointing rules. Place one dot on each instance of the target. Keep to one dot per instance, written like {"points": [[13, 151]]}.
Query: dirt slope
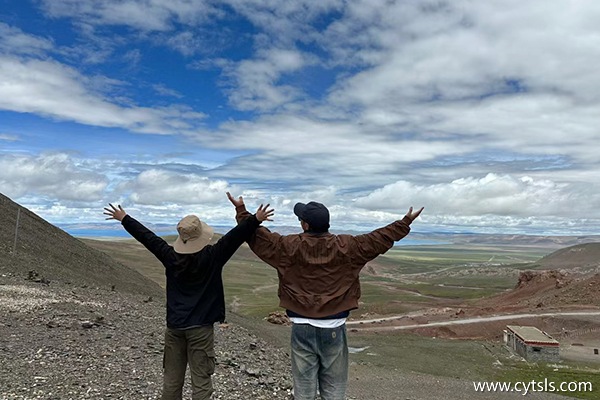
{"points": [[565, 278], [582, 256], [57, 256], [548, 289]]}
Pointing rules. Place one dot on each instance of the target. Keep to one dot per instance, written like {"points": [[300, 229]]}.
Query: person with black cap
{"points": [[319, 286], [195, 297]]}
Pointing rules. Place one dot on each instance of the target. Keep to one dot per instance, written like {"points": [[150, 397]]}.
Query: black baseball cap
{"points": [[314, 214]]}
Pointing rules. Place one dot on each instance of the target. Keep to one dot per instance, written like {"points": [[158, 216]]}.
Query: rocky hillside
{"points": [[54, 255], [548, 289], [566, 277], [76, 324], [582, 257]]}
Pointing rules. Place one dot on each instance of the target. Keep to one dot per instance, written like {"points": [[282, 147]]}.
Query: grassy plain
{"points": [[407, 278], [577, 380]]}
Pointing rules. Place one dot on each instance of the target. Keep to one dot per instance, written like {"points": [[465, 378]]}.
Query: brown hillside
{"points": [[548, 289], [582, 256], [57, 256], [566, 277]]}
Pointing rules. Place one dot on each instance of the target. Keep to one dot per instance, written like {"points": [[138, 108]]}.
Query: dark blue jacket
{"points": [[194, 284]]}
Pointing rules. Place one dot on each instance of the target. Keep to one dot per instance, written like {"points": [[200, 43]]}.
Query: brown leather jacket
{"points": [[318, 273]]}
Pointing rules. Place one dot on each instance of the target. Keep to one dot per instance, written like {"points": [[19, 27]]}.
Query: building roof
{"points": [[532, 335]]}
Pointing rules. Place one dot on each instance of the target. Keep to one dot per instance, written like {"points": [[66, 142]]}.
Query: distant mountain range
{"points": [[95, 230]]}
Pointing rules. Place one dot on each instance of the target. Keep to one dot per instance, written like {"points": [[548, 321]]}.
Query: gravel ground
{"points": [[61, 341], [74, 342], [371, 383]]}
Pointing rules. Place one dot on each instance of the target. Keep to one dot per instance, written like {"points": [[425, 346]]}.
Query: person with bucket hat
{"points": [[319, 286], [195, 297]]}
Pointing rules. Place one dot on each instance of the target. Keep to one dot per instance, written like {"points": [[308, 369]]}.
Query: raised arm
{"points": [[245, 228], [145, 236], [240, 207], [370, 245], [264, 243]]}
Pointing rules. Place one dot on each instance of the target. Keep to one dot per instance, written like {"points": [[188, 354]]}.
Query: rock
{"points": [[87, 324], [278, 318]]}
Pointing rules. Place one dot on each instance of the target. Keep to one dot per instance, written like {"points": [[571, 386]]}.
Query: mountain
{"points": [[45, 253], [566, 277], [581, 257]]}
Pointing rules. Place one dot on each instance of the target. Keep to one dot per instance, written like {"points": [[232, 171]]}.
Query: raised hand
{"points": [[413, 215], [236, 202], [263, 213], [115, 213]]}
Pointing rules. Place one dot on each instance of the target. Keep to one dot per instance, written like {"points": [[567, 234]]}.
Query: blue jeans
{"points": [[193, 347], [319, 357]]}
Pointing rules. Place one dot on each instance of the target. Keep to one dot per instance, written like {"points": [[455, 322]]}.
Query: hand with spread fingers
{"points": [[413, 215], [263, 213], [114, 212]]}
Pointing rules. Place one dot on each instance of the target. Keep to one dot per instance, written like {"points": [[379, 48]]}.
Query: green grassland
{"points": [[567, 373], [414, 353], [405, 278], [252, 286], [418, 259]]}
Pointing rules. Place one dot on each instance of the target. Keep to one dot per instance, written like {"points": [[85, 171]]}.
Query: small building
{"points": [[531, 343]]}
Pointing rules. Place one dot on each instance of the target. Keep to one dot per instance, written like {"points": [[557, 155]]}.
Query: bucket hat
{"points": [[194, 235]]}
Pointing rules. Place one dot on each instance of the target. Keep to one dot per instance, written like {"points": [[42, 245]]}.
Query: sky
{"points": [[487, 113]]}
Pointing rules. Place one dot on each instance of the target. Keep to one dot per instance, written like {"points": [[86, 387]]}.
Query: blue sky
{"points": [[485, 112]]}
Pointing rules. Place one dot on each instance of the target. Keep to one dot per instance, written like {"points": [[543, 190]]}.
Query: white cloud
{"points": [[9, 138], [535, 124], [51, 176], [332, 144], [417, 50], [55, 90], [516, 197], [258, 81], [156, 187], [14, 40], [284, 21], [152, 15], [184, 42], [165, 91]]}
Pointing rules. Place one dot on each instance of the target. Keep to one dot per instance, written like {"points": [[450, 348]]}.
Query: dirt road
{"points": [[464, 321]]}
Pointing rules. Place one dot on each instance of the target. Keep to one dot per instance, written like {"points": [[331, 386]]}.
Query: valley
{"points": [[440, 309]]}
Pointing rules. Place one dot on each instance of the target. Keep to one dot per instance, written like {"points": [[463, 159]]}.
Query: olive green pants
{"points": [[195, 347]]}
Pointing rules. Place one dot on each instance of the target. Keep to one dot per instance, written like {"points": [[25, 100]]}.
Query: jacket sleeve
{"points": [[265, 244], [145, 236], [232, 240], [370, 245]]}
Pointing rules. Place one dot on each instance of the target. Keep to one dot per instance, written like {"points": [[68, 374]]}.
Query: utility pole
{"points": [[16, 230]]}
